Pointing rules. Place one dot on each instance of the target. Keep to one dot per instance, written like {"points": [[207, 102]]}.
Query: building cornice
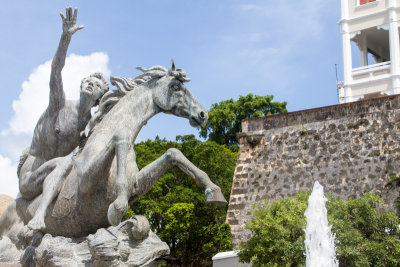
{"points": [[342, 20]]}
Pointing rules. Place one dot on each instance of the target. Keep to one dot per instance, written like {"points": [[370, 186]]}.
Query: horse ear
{"points": [[171, 67]]}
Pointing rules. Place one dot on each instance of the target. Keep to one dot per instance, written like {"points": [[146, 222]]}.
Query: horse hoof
{"points": [[215, 196], [114, 215], [37, 224], [141, 227]]}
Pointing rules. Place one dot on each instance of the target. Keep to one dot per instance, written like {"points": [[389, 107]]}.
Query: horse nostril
{"points": [[202, 115]]}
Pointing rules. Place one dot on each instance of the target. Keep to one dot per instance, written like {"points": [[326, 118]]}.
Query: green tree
{"points": [[364, 235], [395, 183], [176, 208], [225, 117]]}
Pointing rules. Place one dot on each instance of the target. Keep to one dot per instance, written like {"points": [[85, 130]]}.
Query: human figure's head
{"points": [[93, 88]]}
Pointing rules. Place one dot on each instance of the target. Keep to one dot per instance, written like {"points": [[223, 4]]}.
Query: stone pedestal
{"points": [[131, 243]]}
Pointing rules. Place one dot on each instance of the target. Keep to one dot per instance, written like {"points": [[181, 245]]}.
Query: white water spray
{"points": [[320, 247]]}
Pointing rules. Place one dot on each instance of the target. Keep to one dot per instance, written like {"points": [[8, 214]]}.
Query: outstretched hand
{"points": [[69, 21]]}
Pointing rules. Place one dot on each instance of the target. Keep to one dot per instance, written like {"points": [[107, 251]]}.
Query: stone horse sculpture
{"points": [[102, 177]]}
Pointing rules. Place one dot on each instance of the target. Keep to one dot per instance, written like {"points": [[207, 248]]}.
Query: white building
{"points": [[373, 26]]}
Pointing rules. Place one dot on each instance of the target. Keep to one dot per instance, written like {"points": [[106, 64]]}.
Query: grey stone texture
{"points": [[129, 244], [350, 149], [58, 130], [73, 196], [102, 176]]}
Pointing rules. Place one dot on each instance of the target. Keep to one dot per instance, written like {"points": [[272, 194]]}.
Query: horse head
{"points": [[169, 93], [173, 97]]}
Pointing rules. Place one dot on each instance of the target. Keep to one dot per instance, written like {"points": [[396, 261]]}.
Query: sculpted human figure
{"points": [[83, 193], [91, 189], [58, 130]]}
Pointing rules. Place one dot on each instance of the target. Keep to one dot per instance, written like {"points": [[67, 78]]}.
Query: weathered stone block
{"points": [[351, 149]]}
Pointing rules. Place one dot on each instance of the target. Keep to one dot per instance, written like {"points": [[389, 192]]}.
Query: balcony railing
{"points": [[371, 70], [366, 80]]}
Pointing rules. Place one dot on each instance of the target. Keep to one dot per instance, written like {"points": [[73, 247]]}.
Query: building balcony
{"points": [[372, 26], [371, 72], [368, 82]]}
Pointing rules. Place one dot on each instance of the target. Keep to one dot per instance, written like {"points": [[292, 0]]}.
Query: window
{"points": [[363, 2]]}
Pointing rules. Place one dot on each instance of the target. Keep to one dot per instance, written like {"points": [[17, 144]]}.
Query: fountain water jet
{"points": [[320, 247]]}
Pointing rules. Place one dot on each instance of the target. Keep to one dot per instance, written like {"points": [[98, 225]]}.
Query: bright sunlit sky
{"points": [[228, 48]]}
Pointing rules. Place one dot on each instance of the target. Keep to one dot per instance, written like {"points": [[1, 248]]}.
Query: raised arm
{"points": [[57, 95]]}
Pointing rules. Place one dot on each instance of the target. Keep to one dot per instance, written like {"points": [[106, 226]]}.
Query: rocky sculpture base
{"points": [[131, 243]]}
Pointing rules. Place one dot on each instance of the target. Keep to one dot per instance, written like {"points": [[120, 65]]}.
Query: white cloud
{"points": [[293, 19], [248, 7], [259, 53], [12, 145], [271, 40], [8, 180], [34, 97], [31, 103]]}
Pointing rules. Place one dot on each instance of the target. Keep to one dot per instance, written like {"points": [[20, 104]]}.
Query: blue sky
{"points": [[228, 48]]}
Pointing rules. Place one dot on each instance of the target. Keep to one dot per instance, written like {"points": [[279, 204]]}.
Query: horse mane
{"points": [[124, 86]]}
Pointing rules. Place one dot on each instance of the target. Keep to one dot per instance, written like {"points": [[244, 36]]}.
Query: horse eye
{"points": [[176, 87]]}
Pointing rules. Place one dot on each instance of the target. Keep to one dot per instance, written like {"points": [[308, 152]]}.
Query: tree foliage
{"points": [[225, 117], [365, 236], [176, 208], [395, 182], [277, 233]]}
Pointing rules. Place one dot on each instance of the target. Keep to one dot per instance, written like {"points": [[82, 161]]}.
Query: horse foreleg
{"points": [[117, 209], [149, 175]]}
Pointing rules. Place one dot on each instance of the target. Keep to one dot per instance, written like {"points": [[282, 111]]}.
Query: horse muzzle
{"points": [[199, 120]]}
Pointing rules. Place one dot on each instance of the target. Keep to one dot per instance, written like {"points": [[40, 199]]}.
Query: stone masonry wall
{"points": [[349, 148]]}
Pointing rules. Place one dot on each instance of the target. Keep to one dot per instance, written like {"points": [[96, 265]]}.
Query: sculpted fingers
{"points": [[79, 27], [75, 15], [68, 13], [69, 21], [75, 29]]}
